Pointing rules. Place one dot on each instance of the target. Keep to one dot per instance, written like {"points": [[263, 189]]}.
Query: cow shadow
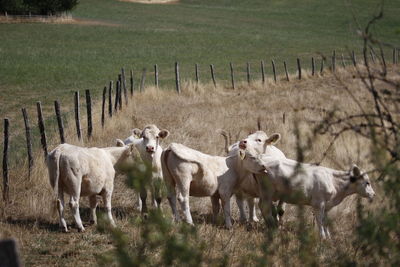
{"points": [[34, 223]]}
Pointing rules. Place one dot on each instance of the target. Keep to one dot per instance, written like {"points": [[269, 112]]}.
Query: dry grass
{"points": [[192, 119]]}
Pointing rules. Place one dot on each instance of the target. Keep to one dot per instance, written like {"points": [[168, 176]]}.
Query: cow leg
{"points": [[240, 204], [226, 204], [281, 210], [183, 198], [252, 209], [266, 207], [107, 202], [172, 202], [215, 208], [319, 216], [74, 205], [93, 205], [143, 197], [60, 209], [139, 202]]}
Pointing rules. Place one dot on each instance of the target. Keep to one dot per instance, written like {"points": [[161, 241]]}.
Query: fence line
{"points": [[121, 88]]}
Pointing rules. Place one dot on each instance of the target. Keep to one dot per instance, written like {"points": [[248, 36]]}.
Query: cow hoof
{"points": [[92, 222], [81, 230]]}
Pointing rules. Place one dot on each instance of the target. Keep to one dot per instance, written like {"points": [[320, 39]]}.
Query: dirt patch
{"points": [[54, 20], [151, 1]]}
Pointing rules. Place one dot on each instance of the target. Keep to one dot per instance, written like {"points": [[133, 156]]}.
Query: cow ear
{"points": [[273, 139], [356, 171], [136, 132], [120, 143], [163, 134]]}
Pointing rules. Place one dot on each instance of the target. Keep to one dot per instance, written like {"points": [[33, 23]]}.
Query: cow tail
{"points": [[53, 165]]}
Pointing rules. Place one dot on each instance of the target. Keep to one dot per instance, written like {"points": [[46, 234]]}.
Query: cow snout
{"points": [[150, 149], [243, 144]]}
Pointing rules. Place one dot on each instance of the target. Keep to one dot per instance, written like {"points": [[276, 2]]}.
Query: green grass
{"points": [[47, 61]]}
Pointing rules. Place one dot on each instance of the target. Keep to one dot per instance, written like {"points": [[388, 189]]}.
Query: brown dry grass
{"points": [[192, 119]]}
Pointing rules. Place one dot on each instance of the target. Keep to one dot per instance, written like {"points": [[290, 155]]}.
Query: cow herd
{"points": [[252, 169]]}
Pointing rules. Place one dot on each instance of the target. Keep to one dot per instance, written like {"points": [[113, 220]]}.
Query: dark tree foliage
{"points": [[38, 7]]}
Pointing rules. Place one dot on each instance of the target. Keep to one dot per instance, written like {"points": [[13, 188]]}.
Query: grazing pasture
{"points": [[192, 119]]}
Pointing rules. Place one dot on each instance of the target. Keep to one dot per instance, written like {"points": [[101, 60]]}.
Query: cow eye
{"points": [[258, 140], [368, 183]]}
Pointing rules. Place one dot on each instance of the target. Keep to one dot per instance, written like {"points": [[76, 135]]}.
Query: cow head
{"points": [[257, 142], [361, 183], [151, 138]]}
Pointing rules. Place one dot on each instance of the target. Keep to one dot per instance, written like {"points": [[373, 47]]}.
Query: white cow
{"points": [[248, 190], [190, 172], [304, 184], [80, 171], [147, 142]]}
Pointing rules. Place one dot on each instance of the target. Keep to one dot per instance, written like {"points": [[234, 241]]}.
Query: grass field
{"points": [[48, 61]]}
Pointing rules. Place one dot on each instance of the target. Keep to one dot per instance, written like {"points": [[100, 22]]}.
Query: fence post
{"points": [[177, 79], [353, 58], [132, 85], [197, 74], [299, 67], [103, 106], [43, 138], [142, 81], [232, 76], [248, 72], [213, 75], [274, 70], [117, 92], [286, 71], [312, 66], [343, 62], [28, 140], [59, 121], [334, 61], [119, 82], [5, 162], [262, 72], [110, 89], [156, 75], [9, 255], [322, 66], [123, 81], [77, 116], [89, 113]]}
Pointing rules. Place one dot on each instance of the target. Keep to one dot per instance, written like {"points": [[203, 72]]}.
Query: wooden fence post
{"points": [[110, 89], [213, 75], [59, 121], [9, 255], [89, 113], [353, 58], [343, 62], [197, 74], [286, 71], [177, 79], [312, 66], [334, 61], [299, 67], [262, 72], [43, 138], [248, 72], [77, 116], [132, 84], [119, 83], [123, 81], [28, 140], [232, 76], [5, 162], [322, 66], [117, 92], [103, 106], [156, 75], [274, 70], [142, 81]]}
